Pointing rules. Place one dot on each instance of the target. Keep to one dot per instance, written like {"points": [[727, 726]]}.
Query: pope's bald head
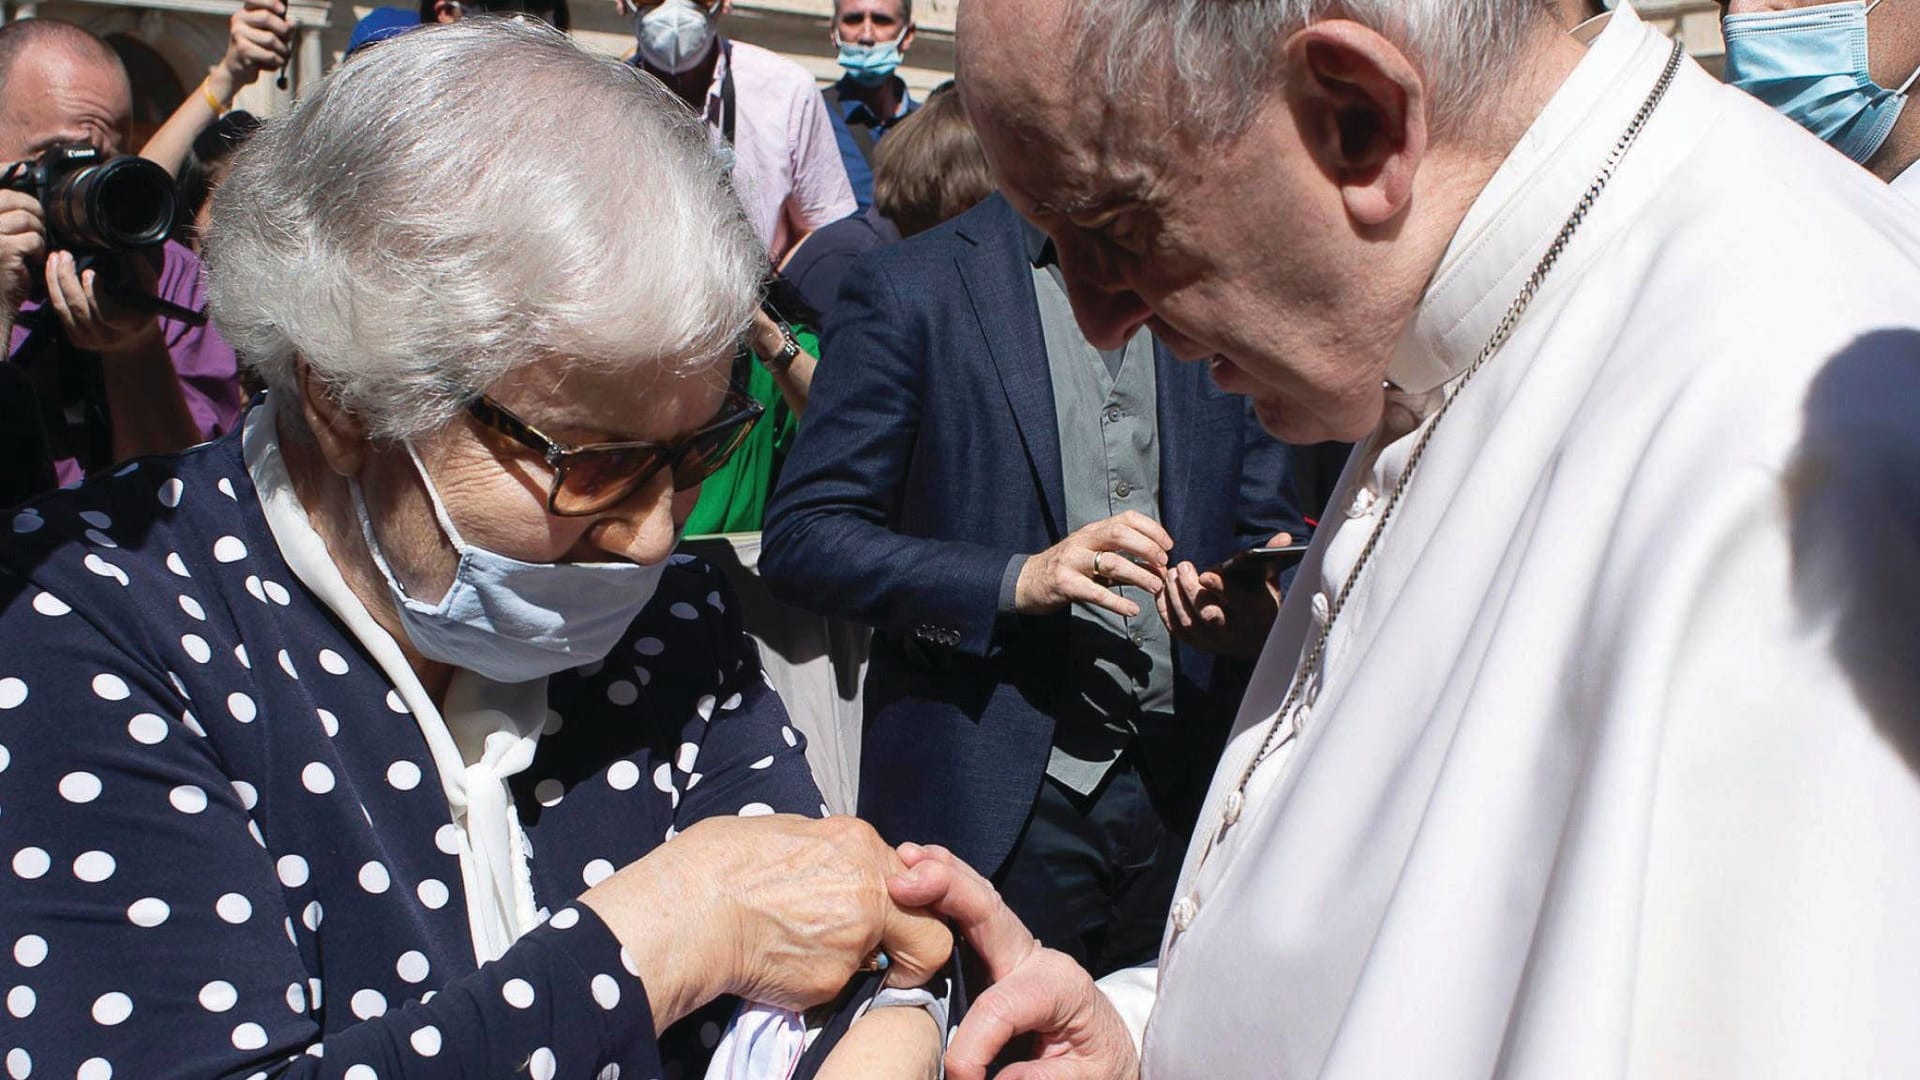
{"points": [[1012, 51]]}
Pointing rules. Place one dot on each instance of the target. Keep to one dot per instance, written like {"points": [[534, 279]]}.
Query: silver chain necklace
{"points": [[1280, 731]]}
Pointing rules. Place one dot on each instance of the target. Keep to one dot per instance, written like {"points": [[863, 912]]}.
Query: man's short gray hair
{"points": [[468, 199], [1221, 57], [905, 6]]}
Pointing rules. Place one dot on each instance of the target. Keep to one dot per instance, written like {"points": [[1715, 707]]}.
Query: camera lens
{"points": [[121, 204]]}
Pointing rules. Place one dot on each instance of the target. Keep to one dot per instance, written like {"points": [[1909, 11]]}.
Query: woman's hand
{"points": [[780, 910]]}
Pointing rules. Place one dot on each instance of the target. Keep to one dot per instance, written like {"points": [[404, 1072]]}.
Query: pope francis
{"points": [[1586, 743]]}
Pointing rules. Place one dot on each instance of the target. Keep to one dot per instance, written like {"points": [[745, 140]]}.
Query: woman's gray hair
{"points": [[1222, 57], [468, 199]]}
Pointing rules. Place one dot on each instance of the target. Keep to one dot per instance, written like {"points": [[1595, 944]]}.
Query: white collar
{"points": [[486, 733], [1510, 225]]}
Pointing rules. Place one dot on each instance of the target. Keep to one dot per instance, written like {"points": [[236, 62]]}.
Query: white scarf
{"points": [[486, 733]]}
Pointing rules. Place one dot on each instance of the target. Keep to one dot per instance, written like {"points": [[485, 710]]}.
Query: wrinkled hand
{"points": [[23, 243], [1078, 1034], [93, 322], [1229, 617], [259, 38], [777, 909], [1131, 549]]}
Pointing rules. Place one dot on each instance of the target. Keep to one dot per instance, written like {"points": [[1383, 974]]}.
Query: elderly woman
{"points": [[387, 738]]}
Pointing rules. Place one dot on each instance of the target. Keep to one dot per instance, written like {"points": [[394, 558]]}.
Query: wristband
{"points": [[212, 102], [779, 362]]}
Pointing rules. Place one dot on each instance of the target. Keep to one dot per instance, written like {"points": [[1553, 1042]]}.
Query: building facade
{"points": [[168, 44]]}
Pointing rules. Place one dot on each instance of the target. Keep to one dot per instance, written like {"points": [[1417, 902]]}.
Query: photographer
{"points": [[101, 379]]}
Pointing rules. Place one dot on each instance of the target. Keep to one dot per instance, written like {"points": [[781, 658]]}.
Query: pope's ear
{"points": [[1361, 107], [341, 436]]}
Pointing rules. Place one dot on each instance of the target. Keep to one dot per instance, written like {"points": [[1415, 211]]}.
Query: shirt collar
{"points": [[853, 110], [1517, 215], [1040, 249]]}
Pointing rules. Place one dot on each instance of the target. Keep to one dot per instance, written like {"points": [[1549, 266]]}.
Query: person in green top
{"points": [[734, 500]]}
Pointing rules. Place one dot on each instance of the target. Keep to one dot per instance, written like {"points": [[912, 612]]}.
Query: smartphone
{"points": [[1260, 564]]}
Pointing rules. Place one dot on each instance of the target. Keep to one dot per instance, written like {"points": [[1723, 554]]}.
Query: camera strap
{"points": [[69, 392], [728, 111]]}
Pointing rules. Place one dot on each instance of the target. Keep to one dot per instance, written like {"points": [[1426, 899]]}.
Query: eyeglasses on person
{"points": [[590, 479]]}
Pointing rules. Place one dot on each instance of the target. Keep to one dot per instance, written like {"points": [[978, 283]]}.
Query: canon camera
{"points": [[96, 204]]}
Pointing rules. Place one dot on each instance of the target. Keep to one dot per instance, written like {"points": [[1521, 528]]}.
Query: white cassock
{"points": [[1612, 771], [1908, 182]]}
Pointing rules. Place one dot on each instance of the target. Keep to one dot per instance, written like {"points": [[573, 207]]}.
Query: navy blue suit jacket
{"points": [[928, 457]]}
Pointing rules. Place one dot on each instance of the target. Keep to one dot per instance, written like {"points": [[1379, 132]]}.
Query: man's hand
{"points": [[1207, 611], [96, 324], [777, 909], [1078, 1034], [1127, 549], [259, 38], [23, 243]]}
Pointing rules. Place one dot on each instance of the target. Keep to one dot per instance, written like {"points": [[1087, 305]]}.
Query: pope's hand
{"points": [[776, 909], [1077, 1033], [1231, 617]]}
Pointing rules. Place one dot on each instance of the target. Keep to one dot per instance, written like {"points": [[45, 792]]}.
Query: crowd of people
{"points": [[1386, 529]]}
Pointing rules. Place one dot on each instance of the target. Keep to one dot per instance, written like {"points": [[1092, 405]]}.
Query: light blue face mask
{"points": [[871, 65], [1811, 65], [513, 621]]}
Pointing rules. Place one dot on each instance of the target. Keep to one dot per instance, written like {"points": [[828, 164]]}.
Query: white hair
{"points": [[468, 199], [1221, 57]]}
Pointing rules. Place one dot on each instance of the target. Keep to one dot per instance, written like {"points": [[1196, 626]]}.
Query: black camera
{"points": [[96, 204]]}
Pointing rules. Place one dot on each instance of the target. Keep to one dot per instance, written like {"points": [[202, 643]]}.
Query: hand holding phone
{"points": [[1255, 565]]}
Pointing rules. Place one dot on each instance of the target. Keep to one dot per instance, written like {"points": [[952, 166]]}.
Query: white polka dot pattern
{"points": [[335, 798], [518, 993]]}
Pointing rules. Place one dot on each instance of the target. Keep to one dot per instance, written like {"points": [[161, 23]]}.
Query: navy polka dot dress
{"points": [[224, 850]]}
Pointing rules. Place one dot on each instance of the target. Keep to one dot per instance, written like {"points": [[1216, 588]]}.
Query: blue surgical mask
{"points": [[1811, 65], [871, 65], [513, 621]]}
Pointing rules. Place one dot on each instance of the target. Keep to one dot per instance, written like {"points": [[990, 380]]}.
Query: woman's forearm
{"points": [[682, 970], [796, 382]]}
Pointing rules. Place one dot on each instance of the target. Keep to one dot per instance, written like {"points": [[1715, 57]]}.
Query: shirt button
{"points": [[1122, 489], [1185, 910], [1138, 638], [1113, 414]]}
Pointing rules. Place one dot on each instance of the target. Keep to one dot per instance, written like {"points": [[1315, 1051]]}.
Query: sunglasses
{"points": [[589, 479]]}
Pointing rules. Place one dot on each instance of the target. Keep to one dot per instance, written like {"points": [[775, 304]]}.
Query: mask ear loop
{"points": [[1908, 85], [1911, 79], [433, 496]]}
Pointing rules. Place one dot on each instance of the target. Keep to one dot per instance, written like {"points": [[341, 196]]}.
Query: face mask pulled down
{"points": [[513, 621], [870, 65], [1810, 64], [674, 36]]}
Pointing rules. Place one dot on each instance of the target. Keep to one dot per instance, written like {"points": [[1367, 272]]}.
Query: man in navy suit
{"points": [[1020, 516]]}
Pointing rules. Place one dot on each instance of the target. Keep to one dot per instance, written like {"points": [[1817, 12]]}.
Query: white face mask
{"points": [[675, 36], [513, 621]]}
